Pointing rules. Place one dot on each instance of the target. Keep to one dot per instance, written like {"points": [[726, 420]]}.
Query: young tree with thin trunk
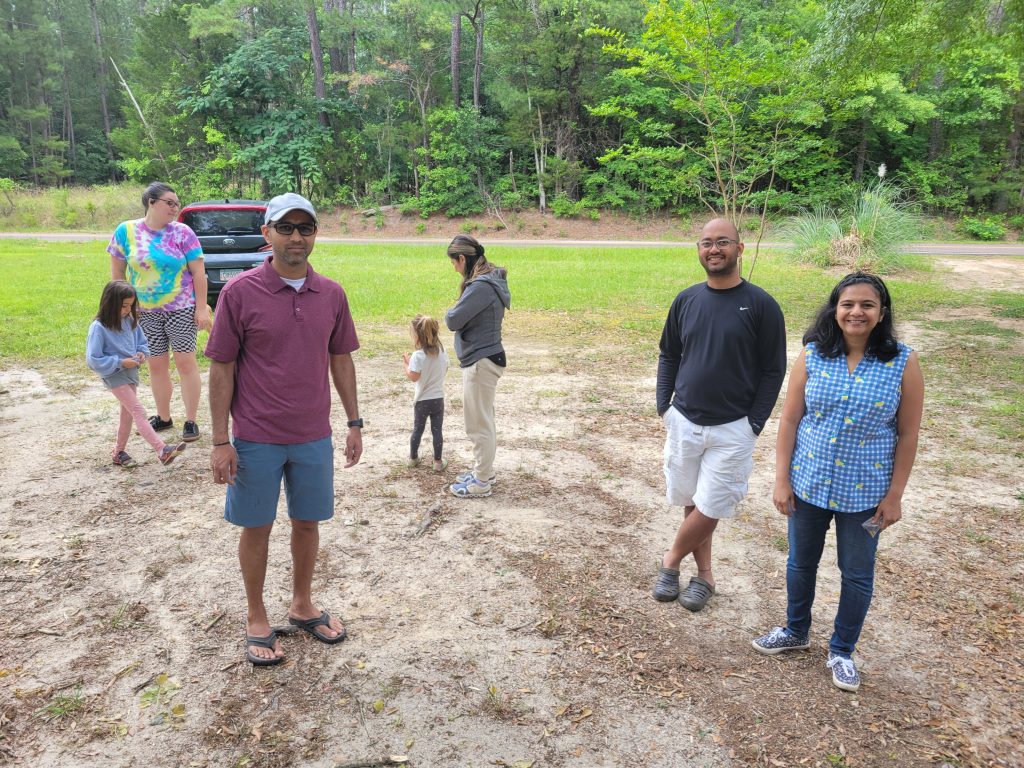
{"points": [[316, 53], [94, 16], [456, 60]]}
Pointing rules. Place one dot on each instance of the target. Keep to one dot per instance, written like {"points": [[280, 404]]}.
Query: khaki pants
{"points": [[479, 382]]}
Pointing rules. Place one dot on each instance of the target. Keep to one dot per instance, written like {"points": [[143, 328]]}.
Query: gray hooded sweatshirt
{"points": [[476, 318]]}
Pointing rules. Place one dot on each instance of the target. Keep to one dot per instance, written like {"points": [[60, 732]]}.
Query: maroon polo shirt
{"points": [[281, 342]]}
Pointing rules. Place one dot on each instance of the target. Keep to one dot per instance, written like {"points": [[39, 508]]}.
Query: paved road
{"points": [[937, 249]]}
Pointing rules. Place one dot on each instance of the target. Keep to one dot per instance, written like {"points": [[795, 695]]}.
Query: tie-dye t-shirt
{"points": [[846, 441], [157, 263]]}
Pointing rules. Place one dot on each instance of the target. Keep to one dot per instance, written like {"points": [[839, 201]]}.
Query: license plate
{"points": [[227, 274]]}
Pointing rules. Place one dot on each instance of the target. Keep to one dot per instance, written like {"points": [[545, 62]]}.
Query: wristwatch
{"points": [[355, 423]]}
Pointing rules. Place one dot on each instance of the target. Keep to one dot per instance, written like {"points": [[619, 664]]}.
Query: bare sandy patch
{"points": [[513, 630]]}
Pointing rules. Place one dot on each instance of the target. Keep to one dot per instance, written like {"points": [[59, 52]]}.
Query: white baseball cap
{"points": [[289, 201]]}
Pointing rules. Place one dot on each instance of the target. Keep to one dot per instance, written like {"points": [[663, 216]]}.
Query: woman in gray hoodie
{"points": [[476, 319]]}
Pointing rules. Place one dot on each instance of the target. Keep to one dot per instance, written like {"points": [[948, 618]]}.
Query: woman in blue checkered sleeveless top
{"points": [[847, 441]]}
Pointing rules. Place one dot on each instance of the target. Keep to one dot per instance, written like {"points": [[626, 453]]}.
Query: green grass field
{"points": [[578, 296], [48, 301]]}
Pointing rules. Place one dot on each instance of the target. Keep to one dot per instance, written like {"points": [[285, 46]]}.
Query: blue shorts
{"points": [[308, 473]]}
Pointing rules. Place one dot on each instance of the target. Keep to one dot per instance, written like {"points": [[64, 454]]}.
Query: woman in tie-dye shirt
{"points": [[162, 260], [846, 444]]}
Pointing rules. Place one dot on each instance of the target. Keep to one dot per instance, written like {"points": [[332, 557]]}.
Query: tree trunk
{"points": [[478, 53], [539, 154], [248, 14], [456, 46], [102, 84], [31, 135], [535, 10], [351, 35], [1013, 156], [1017, 143], [338, 64], [68, 127], [935, 137], [862, 151], [317, 55]]}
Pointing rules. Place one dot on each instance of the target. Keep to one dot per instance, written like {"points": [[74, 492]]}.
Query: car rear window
{"points": [[224, 222]]}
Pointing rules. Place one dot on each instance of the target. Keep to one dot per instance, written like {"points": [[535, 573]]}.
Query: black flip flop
{"points": [[262, 642], [323, 620]]}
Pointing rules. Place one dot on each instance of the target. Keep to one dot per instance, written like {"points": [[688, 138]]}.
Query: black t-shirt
{"points": [[723, 355]]}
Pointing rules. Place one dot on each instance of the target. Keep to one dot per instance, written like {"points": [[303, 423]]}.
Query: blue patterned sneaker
{"points": [[844, 672], [779, 640], [470, 489]]}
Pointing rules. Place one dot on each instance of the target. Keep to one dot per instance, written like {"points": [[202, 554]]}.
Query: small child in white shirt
{"points": [[427, 366]]}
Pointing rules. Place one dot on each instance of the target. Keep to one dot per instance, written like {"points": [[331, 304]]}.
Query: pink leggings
{"points": [[132, 410]]}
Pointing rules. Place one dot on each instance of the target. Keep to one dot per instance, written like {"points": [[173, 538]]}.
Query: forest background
{"points": [[568, 106]]}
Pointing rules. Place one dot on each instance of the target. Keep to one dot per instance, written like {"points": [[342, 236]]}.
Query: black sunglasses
{"points": [[287, 228]]}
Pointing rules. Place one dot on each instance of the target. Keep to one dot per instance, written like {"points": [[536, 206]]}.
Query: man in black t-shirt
{"points": [[722, 362]]}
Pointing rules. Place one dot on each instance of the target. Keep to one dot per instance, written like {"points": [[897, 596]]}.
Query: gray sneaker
{"points": [[666, 586], [779, 640]]}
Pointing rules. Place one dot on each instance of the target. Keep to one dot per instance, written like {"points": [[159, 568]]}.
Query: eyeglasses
{"points": [[722, 242], [286, 228], [170, 203]]}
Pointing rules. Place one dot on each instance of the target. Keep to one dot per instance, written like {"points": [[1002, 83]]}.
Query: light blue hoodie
{"points": [[105, 349]]}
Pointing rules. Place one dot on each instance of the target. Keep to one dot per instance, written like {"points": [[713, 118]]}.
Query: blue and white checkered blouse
{"points": [[846, 441]]}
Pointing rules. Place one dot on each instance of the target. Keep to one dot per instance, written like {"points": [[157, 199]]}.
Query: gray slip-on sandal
{"points": [[666, 586], [696, 594]]}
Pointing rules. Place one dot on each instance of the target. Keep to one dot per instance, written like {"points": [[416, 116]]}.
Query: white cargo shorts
{"points": [[707, 467]]}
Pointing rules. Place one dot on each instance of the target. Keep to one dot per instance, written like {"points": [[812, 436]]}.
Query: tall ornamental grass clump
{"points": [[869, 235]]}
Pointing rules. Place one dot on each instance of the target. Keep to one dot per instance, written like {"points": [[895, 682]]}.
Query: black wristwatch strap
{"points": [[355, 423]]}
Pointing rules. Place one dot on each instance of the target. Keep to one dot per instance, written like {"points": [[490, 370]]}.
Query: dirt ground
{"points": [[514, 225], [510, 631]]}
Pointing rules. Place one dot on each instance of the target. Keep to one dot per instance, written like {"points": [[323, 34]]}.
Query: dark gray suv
{"points": [[229, 232]]}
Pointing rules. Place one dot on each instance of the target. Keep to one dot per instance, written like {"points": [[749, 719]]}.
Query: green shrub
{"points": [[68, 218], [566, 208], [513, 195], [463, 145], [988, 229]]}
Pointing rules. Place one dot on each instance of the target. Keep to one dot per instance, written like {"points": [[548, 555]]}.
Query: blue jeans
{"points": [[807, 527]]}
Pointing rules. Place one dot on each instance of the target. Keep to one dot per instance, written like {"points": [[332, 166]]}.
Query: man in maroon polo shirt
{"points": [[279, 330]]}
